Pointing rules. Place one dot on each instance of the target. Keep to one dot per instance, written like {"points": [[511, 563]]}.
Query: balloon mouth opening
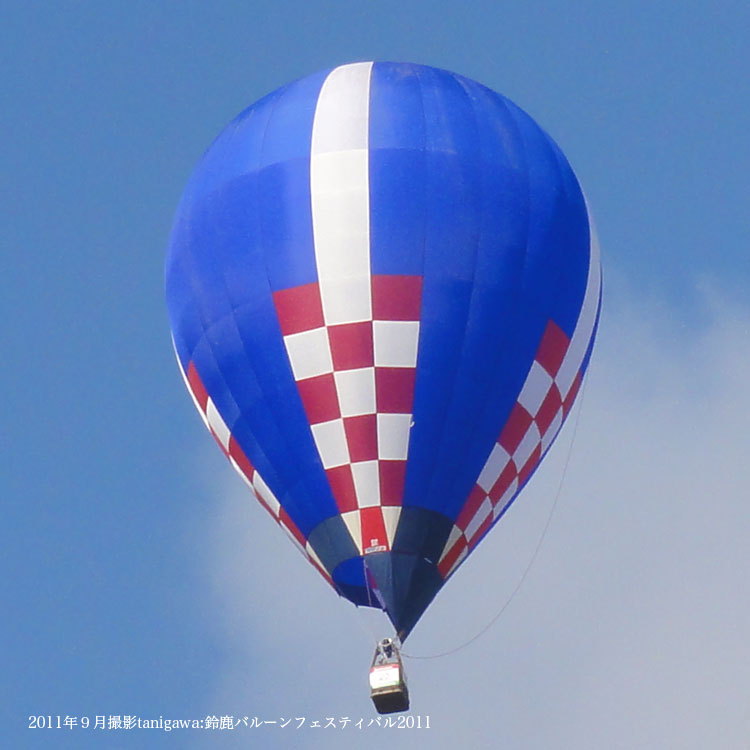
{"points": [[401, 584]]}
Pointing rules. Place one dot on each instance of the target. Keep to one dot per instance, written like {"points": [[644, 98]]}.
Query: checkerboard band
{"points": [[231, 449]]}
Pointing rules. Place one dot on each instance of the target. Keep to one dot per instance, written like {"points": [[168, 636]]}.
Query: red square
{"points": [[351, 345], [515, 428], [319, 398], [286, 520], [322, 571], [362, 437], [342, 487], [196, 386], [471, 506], [507, 475], [481, 531], [396, 297], [394, 389], [552, 348], [373, 530], [299, 308], [241, 459], [392, 478], [570, 398], [548, 410], [447, 562], [529, 466]]}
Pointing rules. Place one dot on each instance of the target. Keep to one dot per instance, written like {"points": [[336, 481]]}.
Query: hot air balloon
{"points": [[383, 287]]}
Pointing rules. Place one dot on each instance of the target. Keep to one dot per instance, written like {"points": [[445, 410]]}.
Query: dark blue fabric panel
{"points": [[453, 211], [396, 112], [234, 153], [283, 210], [283, 213], [397, 171], [289, 132], [558, 243], [484, 387], [230, 288]]}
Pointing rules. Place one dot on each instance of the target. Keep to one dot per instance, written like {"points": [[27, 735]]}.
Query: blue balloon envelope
{"points": [[383, 286]]}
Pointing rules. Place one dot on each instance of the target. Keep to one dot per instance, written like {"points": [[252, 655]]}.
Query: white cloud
{"points": [[631, 628]]}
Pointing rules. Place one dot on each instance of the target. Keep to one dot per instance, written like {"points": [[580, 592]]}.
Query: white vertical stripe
{"points": [[340, 194], [573, 359]]}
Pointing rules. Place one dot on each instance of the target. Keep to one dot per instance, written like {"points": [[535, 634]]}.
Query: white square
{"points": [[356, 391], [502, 503], [330, 440], [483, 511], [393, 436], [309, 353], [526, 446], [497, 461], [552, 430], [264, 491], [395, 343], [535, 389], [218, 427], [455, 535], [366, 483]]}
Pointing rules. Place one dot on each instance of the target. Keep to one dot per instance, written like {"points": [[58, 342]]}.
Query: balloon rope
{"points": [[536, 550], [361, 619], [365, 626]]}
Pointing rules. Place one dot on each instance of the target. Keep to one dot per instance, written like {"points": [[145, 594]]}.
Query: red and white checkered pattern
{"points": [[543, 403], [532, 425], [231, 449], [352, 337], [356, 382]]}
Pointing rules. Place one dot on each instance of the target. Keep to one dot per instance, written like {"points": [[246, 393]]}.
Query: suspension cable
{"points": [[534, 555]]}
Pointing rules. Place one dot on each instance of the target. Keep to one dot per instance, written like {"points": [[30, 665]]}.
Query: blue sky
{"points": [[139, 577]]}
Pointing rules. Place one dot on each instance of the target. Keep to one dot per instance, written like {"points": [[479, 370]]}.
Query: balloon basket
{"points": [[388, 688]]}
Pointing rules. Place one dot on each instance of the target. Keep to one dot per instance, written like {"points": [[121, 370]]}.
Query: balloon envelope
{"points": [[383, 287]]}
